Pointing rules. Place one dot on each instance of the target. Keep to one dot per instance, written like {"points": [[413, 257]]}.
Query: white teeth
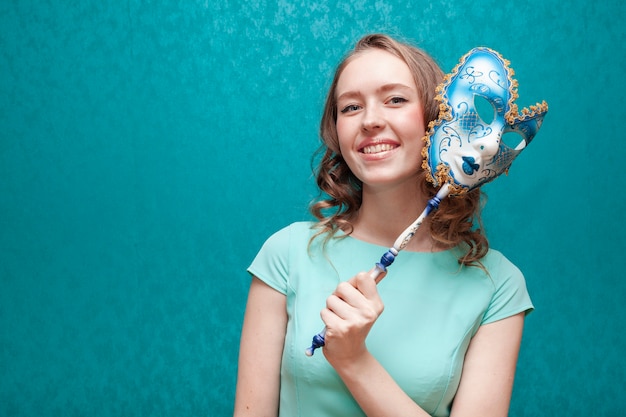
{"points": [[381, 147]]}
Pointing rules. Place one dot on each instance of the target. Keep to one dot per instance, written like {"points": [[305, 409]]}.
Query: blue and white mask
{"points": [[464, 150]]}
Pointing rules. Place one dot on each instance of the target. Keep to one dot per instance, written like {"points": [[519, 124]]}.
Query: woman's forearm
{"points": [[375, 390]]}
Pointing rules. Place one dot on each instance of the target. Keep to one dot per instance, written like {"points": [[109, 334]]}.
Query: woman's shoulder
{"points": [[289, 235], [510, 294], [496, 260], [274, 260], [295, 229], [502, 272]]}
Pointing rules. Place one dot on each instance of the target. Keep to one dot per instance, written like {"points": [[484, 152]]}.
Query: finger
{"points": [[377, 275], [367, 287], [338, 306], [329, 318], [364, 283], [359, 277], [348, 292]]}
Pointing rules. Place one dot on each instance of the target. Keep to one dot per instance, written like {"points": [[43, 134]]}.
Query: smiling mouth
{"points": [[378, 148]]}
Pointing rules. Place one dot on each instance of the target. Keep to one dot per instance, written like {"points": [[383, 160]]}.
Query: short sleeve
{"points": [[511, 295], [271, 264]]}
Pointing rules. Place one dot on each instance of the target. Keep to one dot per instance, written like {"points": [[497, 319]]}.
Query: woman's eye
{"points": [[350, 108], [397, 100]]}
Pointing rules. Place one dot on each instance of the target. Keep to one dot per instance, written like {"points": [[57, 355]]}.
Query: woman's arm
{"points": [[260, 352], [351, 311], [489, 369]]}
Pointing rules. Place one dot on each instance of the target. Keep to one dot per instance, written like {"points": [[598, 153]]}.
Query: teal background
{"points": [[147, 149]]}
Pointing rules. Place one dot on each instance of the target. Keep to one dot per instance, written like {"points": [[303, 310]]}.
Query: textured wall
{"points": [[148, 148]]}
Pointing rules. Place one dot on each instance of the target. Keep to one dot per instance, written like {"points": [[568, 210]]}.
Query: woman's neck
{"points": [[386, 212]]}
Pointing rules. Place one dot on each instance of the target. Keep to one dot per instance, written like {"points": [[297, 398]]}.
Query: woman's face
{"points": [[380, 122]]}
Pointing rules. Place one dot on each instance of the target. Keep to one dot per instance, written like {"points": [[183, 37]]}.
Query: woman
{"points": [[448, 342]]}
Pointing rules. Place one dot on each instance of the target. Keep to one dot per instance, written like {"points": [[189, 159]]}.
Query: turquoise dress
{"points": [[433, 307]]}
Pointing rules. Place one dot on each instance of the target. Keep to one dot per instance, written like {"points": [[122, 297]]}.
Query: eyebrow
{"points": [[381, 89]]}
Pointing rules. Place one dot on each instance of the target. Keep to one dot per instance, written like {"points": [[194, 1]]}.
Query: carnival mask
{"points": [[463, 147]]}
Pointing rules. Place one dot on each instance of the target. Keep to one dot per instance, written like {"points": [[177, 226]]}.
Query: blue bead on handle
{"points": [[318, 342]]}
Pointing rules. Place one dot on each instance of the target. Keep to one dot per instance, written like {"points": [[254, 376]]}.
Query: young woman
{"points": [[448, 340]]}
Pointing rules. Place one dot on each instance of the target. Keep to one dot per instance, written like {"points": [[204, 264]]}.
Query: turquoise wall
{"points": [[147, 149]]}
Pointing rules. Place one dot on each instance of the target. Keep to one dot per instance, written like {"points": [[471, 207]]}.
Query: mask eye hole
{"points": [[485, 109], [514, 140]]}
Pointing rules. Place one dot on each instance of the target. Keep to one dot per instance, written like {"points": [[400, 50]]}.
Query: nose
{"points": [[373, 119], [487, 147]]}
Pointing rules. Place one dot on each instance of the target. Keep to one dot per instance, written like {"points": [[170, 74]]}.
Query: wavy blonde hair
{"points": [[456, 222]]}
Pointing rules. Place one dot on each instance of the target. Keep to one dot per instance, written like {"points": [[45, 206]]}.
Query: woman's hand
{"points": [[350, 313]]}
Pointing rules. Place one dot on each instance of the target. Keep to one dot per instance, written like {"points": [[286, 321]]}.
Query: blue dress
{"points": [[433, 307]]}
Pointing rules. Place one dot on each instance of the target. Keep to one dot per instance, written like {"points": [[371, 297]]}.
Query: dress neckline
{"points": [[341, 234]]}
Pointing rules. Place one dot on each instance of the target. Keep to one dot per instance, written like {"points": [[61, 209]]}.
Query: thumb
{"points": [[377, 274], [365, 283]]}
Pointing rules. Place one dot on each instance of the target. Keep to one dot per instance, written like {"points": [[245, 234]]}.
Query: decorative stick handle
{"points": [[389, 256]]}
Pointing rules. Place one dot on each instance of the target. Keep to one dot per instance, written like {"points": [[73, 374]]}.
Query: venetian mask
{"points": [[479, 131]]}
